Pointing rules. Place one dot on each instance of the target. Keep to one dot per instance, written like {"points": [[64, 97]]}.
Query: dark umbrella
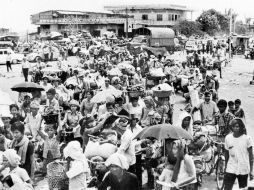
{"points": [[27, 87], [164, 131]]}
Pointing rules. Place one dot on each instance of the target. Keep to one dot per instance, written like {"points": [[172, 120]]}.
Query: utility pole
{"points": [[230, 31], [127, 24]]}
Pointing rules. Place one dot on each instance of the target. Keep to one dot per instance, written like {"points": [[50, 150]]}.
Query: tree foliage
{"points": [[212, 21], [188, 28]]}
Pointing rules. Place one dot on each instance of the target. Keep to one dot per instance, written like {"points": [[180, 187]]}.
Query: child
{"points": [[51, 150], [33, 119], [238, 110], [79, 169], [166, 175], [231, 107], [14, 109]]}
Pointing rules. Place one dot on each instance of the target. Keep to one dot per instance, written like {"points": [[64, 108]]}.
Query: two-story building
{"points": [[160, 15], [71, 21], [118, 19]]}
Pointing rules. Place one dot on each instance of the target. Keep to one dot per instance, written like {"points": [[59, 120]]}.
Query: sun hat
{"points": [[74, 103]]}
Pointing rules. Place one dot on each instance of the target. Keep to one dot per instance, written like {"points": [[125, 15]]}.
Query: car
{"points": [[36, 55], [15, 57], [191, 46]]}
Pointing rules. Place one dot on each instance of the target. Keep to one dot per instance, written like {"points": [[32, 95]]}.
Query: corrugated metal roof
{"points": [[150, 6], [161, 32]]}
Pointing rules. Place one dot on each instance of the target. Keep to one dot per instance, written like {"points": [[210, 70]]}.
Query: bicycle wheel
{"points": [[220, 165]]}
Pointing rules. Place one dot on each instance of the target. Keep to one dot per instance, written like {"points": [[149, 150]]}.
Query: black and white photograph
{"points": [[126, 94]]}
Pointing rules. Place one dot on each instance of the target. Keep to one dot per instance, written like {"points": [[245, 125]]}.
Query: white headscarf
{"points": [[117, 159], [12, 157], [181, 117], [74, 150]]}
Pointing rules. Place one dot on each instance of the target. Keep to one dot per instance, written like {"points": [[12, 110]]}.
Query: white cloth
{"points": [[79, 169], [77, 175], [166, 176], [117, 159], [238, 162], [12, 157], [183, 172]]}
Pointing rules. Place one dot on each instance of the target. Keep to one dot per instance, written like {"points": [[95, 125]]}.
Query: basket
{"points": [[134, 93], [56, 176], [50, 118], [161, 93]]}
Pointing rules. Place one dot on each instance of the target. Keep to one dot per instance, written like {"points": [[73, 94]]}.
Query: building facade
{"points": [[117, 19], [72, 21], [152, 15]]}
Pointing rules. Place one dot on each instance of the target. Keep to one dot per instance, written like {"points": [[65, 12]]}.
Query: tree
{"points": [[188, 28], [212, 21], [240, 28]]}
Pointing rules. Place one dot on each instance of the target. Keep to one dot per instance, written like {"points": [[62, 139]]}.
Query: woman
{"points": [[118, 178], [24, 148], [238, 156], [184, 172], [60, 89], [185, 121], [78, 168], [134, 107], [71, 120], [12, 160], [147, 111], [87, 106]]}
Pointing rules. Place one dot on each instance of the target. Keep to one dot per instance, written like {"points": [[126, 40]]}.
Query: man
{"points": [[223, 118], [129, 147], [23, 146], [25, 68], [208, 108], [8, 61], [32, 121]]}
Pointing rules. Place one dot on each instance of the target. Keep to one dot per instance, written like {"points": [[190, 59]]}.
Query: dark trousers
{"points": [[229, 180], [25, 73], [137, 169], [8, 65]]}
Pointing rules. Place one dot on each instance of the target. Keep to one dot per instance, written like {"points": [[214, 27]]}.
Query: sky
{"points": [[15, 14]]}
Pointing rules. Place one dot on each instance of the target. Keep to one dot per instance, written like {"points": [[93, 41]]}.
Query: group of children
{"points": [[234, 107]]}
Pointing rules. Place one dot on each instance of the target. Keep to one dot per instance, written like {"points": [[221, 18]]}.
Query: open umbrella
{"points": [[164, 131], [27, 87], [103, 95]]}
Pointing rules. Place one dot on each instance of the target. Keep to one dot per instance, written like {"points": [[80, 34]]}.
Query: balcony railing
{"points": [[80, 21]]}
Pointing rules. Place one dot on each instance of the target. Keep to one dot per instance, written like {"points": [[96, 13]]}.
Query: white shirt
{"points": [[127, 147], [32, 124], [77, 175], [238, 162], [25, 65], [8, 57]]}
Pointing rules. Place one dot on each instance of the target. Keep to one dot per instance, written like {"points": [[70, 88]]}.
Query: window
{"points": [[175, 17], [1, 53], [159, 17], [144, 17], [5, 52], [170, 17]]}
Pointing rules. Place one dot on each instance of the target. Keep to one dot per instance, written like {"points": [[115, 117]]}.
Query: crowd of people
{"points": [[102, 102]]}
